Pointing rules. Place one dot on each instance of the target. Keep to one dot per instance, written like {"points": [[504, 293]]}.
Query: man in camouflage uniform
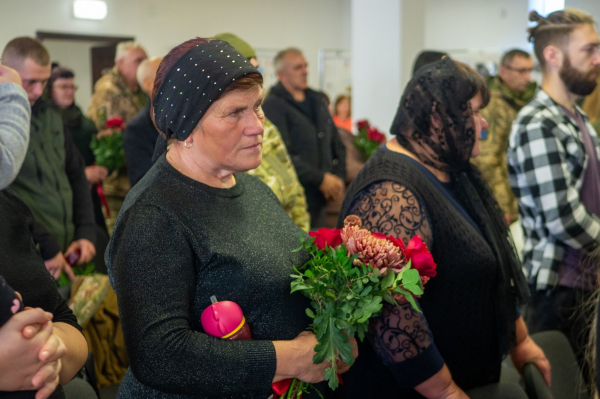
{"points": [[276, 169], [510, 91], [118, 94]]}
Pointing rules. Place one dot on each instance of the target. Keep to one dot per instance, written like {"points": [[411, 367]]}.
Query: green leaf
{"points": [[409, 298], [332, 346], [410, 276], [389, 298], [388, 280], [373, 279], [310, 313], [373, 306], [414, 288], [299, 287], [366, 291]]}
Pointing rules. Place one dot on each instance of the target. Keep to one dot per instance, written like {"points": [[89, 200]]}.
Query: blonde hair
{"points": [[124, 47]]}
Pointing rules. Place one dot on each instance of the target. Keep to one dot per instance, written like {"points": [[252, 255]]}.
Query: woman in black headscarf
{"points": [[421, 182], [195, 226]]}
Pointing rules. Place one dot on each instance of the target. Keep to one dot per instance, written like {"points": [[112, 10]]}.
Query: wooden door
{"points": [[103, 59]]}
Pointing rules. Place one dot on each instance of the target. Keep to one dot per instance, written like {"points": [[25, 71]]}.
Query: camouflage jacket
{"points": [[500, 114], [277, 172], [113, 98]]}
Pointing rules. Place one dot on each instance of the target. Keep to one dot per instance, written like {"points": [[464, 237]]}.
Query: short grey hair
{"points": [[278, 60], [124, 47], [144, 69]]}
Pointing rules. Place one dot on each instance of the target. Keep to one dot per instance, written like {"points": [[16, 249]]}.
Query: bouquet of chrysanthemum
{"points": [[368, 139], [108, 148], [350, 273]]}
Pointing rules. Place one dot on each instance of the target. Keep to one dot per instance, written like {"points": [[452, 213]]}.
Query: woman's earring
{"points": [[185, 144]]}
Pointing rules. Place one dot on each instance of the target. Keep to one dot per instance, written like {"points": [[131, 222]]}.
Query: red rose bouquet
{"points": [[350, 273], [108, 149], [368, 139]]}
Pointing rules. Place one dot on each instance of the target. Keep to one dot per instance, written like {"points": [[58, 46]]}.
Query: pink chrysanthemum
{"points": [[377, 252]]}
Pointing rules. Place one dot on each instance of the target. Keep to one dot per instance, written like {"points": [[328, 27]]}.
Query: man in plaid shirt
{"points": [[555, 174]]}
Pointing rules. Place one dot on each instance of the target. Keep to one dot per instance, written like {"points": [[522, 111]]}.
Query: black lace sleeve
{"points": [[400, 335], [390, 208]]}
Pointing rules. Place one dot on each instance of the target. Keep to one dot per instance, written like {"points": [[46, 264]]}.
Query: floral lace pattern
{"points": [[386, 207], [390, 208], [399, 333]]}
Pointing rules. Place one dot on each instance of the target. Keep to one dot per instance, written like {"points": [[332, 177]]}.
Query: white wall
{"points": [[412, 24], [376, 54], [76, 56], [160, 25], [484, 24], [475, 24], [591, 6]]}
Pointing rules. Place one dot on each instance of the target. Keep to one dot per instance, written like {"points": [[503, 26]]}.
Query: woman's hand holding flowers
{"points": [[295, 359]]}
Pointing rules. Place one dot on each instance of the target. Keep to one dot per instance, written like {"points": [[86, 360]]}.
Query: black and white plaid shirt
{"points": [[546, 165]]}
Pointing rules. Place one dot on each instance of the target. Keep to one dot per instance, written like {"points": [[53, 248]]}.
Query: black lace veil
{"points": [[435, 122]]}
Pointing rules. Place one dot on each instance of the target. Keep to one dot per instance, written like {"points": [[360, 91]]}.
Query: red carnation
{"points": [[114, 122], [375, 135], [329, 237], [363, 124], [421, 258]]}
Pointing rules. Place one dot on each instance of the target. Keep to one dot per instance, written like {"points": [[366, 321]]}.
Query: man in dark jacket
{"points": [[140, 136], [309, 133], [52, 180]]}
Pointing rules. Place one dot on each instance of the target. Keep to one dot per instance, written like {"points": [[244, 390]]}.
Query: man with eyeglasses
{"points": [[510, 91], [52, 180]]}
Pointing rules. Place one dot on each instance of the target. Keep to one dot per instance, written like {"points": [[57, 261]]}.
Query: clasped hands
{"points": [[30, 353], [332, 187]]}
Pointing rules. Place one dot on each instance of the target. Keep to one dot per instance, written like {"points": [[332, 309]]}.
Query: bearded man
{"points": [[555, 175]]}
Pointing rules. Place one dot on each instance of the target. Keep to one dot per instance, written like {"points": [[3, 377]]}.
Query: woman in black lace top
{"points": [[422, 183]]}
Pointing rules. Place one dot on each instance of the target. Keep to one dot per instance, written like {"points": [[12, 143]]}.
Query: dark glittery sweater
{"points": [[177, 242]]}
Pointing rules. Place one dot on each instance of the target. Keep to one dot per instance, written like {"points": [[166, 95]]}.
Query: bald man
{"points": [[140, 136]]}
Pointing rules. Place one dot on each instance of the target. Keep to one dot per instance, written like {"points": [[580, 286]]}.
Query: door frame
{"points": [[106, 40], [42, 35]]}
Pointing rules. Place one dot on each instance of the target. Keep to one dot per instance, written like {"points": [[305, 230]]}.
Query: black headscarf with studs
{"points": [[190, 87]]}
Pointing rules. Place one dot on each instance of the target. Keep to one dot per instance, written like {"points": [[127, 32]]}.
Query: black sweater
{"points": [[313, 141], [177, 242], [139, 141], [23, 268], [458, 303]]}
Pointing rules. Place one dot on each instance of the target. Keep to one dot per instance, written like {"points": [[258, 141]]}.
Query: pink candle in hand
{"points": [[225, 320]]}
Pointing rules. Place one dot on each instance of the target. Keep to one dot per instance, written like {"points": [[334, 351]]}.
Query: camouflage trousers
{"points": [[116, 186]]}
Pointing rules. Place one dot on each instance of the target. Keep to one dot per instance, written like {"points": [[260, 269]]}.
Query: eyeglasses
{"points": [[67, 87], [520, 71]]}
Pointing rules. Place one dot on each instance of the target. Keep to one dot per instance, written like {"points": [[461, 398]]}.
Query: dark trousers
{"points": [[564, 309], [317, 217]]}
